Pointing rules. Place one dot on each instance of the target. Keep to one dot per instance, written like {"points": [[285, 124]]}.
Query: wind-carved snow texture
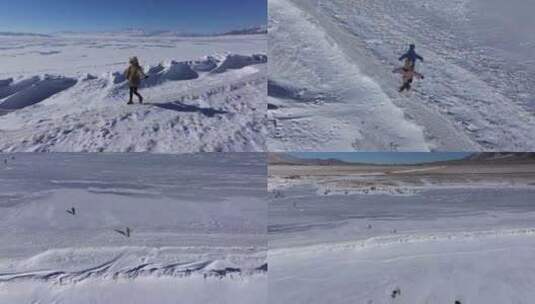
{"points": [[72, 223], [206, 269], [212, 103], [313, 84], [441, 244], [31, 91], [477, 94]]}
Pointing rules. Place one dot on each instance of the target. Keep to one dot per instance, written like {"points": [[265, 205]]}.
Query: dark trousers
{"points": [[133, 90], [406, 86]]}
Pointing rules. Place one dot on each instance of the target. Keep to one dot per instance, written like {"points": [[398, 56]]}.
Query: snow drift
{"points": [[75, 98], [30, 91], [478, 89], [239, 61]]}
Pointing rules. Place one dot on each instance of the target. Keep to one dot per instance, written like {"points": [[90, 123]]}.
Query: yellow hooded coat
{"points": [[134, 73]]}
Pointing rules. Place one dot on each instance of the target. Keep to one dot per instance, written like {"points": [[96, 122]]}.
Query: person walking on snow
{"points": [[408, 73], [411, 55], [134, 74]]}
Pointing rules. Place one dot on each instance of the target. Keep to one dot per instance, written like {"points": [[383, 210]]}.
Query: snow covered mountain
{"points": [[255, 30], [136, 228], [331, 84], [286, 159], [502, 157], [68, 93]]}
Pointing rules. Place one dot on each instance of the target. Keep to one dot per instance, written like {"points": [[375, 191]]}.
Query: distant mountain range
{"points": [[21, 34], [502, 157], [475, 158], [136, 32], [257, 30], [287, 159]]}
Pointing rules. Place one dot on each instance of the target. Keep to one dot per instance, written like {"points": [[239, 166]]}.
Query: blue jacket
{"points": [[411, 55]]}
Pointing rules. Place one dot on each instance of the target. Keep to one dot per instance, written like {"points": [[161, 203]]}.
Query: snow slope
{"points": [[340, 93], [67, 93], [482, 270], [197, 223], [440, 245]]}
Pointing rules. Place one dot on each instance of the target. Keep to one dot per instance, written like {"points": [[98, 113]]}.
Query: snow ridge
{"points": [[218, 106], [62, 265], [396, 239], [204, 268], [320, 100]]}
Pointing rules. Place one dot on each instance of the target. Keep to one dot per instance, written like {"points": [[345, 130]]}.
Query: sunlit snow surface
{"points": [[332, 87], [442, 244], [67, 93], [198, 227]]}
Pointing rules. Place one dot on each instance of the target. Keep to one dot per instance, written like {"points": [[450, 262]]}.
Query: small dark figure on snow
{"points": [[411, 55], [71, 211], [134, 74], [408, 73], [396, 292], [125, 233]]}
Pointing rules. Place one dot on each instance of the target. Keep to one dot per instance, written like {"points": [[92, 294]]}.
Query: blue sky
{"points": [[384, 157], [199, 16]]}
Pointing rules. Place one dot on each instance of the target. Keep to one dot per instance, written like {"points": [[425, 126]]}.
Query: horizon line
{"points": [[126, 29]]}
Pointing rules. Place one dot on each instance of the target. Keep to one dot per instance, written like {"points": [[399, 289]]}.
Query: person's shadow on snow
{"points": [[180, 107]]}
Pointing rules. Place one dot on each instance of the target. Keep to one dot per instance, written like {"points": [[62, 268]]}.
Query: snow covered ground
{"points": [[67, 93], [197, 222], [471, 244], [331, 85]]}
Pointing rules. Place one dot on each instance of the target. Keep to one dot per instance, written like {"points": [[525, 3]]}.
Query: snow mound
{"points": [[282, 90], [5, 82], [32, 90], [9, 87], [206, 64], [234, 61], [180, 71], [171, 70], [187, 70]]}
